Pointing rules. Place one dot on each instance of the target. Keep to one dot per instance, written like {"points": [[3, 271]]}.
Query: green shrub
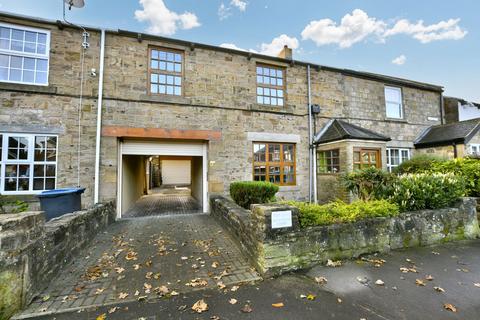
{"points": [[368, 184], [245, 193], [11, 205], [340, 212], [418, 164], [468, 168], [426, 191]]}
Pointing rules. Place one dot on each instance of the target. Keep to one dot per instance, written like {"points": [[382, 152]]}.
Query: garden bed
{"points": [[276, 251]]}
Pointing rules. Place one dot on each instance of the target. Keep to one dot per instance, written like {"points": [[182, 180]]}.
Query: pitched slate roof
{"points": [[336, 130], [440, 135]]}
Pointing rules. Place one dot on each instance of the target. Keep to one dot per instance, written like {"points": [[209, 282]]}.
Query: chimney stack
{"points": [[286, 53]]}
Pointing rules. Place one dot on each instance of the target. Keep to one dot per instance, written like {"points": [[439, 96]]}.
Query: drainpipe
{"points": [[314, 170], [442, 108], [310, 146], [455, 152], [99, 119]]}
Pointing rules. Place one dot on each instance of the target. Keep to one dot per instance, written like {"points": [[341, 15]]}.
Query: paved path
{"points": [[146, 258], [158, 204], [454, 267]]}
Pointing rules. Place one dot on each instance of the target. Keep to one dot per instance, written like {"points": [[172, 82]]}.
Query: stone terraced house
{"points": [[178, 112]]}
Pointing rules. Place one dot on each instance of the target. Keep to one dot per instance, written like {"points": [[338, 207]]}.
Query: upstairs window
{"points": [[475, 149], [28, 163], [328, 161], [270, 85], [24, 54], [393, 103], [165, 71]]}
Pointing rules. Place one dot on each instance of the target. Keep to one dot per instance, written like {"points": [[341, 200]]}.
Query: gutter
{"points": [[99, 118]]}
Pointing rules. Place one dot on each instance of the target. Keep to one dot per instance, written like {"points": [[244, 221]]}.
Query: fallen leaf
{"points": [[246, 309], [333, 264], [278, 305], [477, 285], [197, 282], [45, 298], [98, 291], [79, 288], [321, 280], [221, 285], [362, 280], [147, 287], [161, 290], [234, 288], [439, 289], [131, 255], [379, 282], [232, 301], [435, 253], [174, 293], [184, 258], [429, 277], [137, 293], [103, 316], [43, 310], [148, 263], [215, 318], [136, 266], [419, 282], [311, 297], [200, 306], [122, 295], [339, 300], [112, 310], [119, 270], [450, 307], [149, 275], [215, 264]]}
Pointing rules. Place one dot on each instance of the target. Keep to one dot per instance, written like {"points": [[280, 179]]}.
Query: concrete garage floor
{"points": [[164, 201], [454, 267]]}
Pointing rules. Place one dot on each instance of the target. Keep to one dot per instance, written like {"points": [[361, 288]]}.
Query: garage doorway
{"points": [[161, 177]]}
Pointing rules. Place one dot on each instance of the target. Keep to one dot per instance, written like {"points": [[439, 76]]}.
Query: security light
{"points": [[75, 3]]}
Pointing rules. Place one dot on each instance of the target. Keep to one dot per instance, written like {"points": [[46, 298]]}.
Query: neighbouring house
{"points": [[453, 140], [460, 110], [155, 110]]}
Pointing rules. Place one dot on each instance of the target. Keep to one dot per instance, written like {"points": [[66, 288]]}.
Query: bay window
{"points": [[28, 163]]}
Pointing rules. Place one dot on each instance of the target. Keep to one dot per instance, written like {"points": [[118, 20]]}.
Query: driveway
{"points": [[146, 258], [350, 292]]}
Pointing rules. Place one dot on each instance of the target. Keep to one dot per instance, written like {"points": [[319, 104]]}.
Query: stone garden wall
{"points": [[275, 251], [32, 251]]}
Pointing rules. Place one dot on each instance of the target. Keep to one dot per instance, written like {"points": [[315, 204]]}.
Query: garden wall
{"points": [[276, 251], [33, 251]]}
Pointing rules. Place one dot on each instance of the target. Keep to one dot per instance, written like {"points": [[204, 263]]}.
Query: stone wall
{"points": [[32, 252], [275, 251]]}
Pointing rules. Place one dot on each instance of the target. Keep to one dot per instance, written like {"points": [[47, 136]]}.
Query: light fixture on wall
{"points": [[75, 3]]}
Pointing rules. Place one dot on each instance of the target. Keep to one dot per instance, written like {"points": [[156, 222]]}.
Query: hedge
{"points": [[341, 212], [245, 193]]}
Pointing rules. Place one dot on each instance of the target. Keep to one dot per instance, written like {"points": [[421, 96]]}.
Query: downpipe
{"points": [[99, 119]]}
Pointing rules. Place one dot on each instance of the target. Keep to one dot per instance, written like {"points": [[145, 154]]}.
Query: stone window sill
{"points": [[288, 188], [396, 120], [27, 88], [263, 107]]}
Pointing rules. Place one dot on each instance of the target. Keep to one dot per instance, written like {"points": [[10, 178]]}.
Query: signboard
{"points": [[281, 219]]}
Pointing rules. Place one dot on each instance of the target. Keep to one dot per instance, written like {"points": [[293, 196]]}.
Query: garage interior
{"points": [[161, 185]]}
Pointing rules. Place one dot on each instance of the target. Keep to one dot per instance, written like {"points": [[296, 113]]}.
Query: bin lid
{"points": [[60, 192]]}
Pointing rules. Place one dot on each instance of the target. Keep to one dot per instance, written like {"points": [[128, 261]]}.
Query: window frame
{"points": [[165, 72], [23, 54], [388, 152], [329, 158], [477, 146], [360, 150], [30, 161], [269, 86], [280, 163], [402, 113]]}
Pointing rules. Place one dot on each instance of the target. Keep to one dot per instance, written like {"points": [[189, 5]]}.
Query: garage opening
{"points": [[161, 178]]}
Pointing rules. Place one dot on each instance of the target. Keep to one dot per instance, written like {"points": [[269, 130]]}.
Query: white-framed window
{"points": [[24, 54], [28, 163], [475, 148], [396, 156], [393, 102]]}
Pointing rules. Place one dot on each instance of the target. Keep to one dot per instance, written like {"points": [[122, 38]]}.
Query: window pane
{"points": [[162, 65], [42, 65], [162, 79], [260, 100], [170, 56], [154, 54], [154, 64], [51, 155], [4, 44], [17, 34], [169, 90], [154, 78], [39, 155], [393, 95], [16, 62], [41, 77], [169, 66], [30, 47], [29, 64], [178, 67], [39, 171], [274, 152], [28, 76], [16, 45], [259, 79], [41, 49], [42, 38], [178, 57], [161, 89], [153, 88], [259, 151], [259, 70], [38, 184], [49, 183], [4, 32], [163, 55], [393, 110], [178, 81], [3, 74], [178, 91]]}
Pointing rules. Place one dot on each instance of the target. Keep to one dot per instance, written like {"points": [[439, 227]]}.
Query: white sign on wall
{"points": [[281, 219]]}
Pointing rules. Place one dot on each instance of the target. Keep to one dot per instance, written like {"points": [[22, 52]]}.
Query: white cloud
{"points": [[353, 28], [223, 12], [443, 30], [231, 46], [241, 5], [162, 20], [400, 60], [273, 48], [358, 26]]}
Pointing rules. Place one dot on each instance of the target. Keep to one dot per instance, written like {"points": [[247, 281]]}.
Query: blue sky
{"points": [[423, 40]]}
